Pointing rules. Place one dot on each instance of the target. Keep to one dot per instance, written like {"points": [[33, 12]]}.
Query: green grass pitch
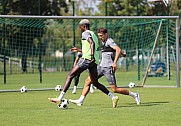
{"points": [[159, 107]]}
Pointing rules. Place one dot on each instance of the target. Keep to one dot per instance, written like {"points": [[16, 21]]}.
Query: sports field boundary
{"points": [[48, 89]]}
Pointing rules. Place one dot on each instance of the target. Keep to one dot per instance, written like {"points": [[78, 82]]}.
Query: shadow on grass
{"points": [[144, 104]]}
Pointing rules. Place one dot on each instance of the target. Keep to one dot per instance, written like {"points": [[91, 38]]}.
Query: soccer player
{"points": [[89, 60], [110, 55], [76, 78]]}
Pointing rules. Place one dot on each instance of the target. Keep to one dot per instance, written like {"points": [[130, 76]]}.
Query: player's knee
{"points": [[97, 85], [70, 76], [114, 89], [88, 81]]}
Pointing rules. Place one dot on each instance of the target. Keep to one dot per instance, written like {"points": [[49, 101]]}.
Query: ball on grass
{"points": [[131, 85], [23, 89], [64, 104], [58, 88]]}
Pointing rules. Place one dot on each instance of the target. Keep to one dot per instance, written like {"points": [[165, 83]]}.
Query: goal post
{"points": [[178, 52], [151, 56], [40, 45]]}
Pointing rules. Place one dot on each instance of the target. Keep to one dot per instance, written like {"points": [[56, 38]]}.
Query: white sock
{"points": [[111, 95], [75, 88], [60, 97], [81, 99], [92, 86], [132, 94]]}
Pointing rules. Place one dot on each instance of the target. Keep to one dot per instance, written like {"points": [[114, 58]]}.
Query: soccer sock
{"points": [[111, 95], [60, 97], [81, 99], [132, 94], [75, 87], [92, 86]]}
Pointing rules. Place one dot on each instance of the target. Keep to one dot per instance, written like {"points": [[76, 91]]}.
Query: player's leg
{"points": [[85, 91], [100, 74], [110, 76], [124, 91], [94, 78], [76, 81], [74, 72], [88, 82], [91, 88], [86, 88]]}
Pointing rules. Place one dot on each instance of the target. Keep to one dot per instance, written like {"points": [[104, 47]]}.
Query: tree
{"points": [[18, 37], [125, 8], [34, 7], [139, 7], [175, 9], [83, 7]]}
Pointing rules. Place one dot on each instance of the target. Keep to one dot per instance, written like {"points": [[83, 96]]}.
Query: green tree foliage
{"points": [[82, 7], [125, 8], [175, 9], [158, 8], [34, 7], [138, 7], [22, 37]]}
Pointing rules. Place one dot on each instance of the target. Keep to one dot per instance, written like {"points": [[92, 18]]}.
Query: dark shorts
{"points": [[85, 63], [108, 73]]}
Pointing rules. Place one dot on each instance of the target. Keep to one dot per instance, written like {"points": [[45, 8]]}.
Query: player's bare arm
{"points": [[75, 49], [92, 45], [118, 52]]}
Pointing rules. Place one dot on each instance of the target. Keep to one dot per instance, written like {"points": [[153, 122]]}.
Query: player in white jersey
{"points": [[110, 55]]}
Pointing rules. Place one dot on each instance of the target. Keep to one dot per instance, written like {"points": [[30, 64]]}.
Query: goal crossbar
{"points": [[90, 17]]}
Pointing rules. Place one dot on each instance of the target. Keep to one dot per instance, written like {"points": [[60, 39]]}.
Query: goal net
{"points": [[40, 44]]}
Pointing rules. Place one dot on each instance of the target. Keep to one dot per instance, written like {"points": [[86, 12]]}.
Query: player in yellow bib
{"points": [[89, 60]]}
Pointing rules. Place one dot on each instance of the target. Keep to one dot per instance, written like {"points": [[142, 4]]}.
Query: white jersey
{"points": [[108, 53]]}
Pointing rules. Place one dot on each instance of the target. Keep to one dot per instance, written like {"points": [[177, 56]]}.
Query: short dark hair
{"points": [[87, 25], [102, 30]]}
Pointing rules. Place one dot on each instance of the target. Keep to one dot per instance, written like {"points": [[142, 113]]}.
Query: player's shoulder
{"points": [[110, 41], [87, 31], [79, 54]]}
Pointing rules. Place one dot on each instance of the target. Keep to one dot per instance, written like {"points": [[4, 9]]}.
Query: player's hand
{"points": [[124, 54], [74, 49], [114, 67], [92, 59]]}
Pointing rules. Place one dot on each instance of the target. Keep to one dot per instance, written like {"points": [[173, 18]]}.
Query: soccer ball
{"points": [[64, 104], [23, 89], [58, 88], [131, 85]]}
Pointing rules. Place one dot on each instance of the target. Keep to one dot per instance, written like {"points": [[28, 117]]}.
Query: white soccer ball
{"points": [[131, 85], [23, 89], [58, 88], [64, 104]]}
